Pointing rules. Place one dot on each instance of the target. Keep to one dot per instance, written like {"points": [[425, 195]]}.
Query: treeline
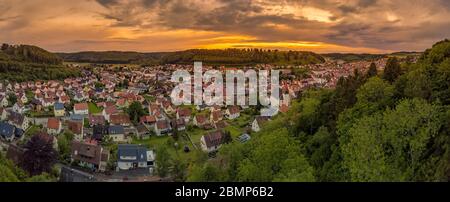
{"points": [[214, 57], [375, 126], [111, 57], [26, 63], [352, 57]]}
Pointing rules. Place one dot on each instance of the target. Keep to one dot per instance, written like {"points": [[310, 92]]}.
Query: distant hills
{"points": [[221, 57], [213, 57], [26, 62]]}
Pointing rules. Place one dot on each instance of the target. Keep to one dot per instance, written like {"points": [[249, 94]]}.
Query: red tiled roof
{"points": [[148, 119], [111, 110], [201, 119], [53, 123], [184, 112], [233, 109], [162, 124], [81, 106], [118, 119], [75, 126]]}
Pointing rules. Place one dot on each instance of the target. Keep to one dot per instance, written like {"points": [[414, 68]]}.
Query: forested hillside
{"points": [[389, 126], [218, 57], [25, 63]]}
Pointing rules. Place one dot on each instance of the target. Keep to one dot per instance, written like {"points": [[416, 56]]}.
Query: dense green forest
{"points": [[389, 126], [352, 57], [25, 63], [215, 57]]}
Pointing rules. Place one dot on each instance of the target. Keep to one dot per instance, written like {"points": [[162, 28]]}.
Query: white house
{"points": [[233, 112], [81, 109], [134, 156], [54, 126], [257, 123], [4, 101]]}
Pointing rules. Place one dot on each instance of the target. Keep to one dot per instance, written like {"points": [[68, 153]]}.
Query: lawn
{"points": [[153, 142], [42, 114], [32, 130], [94, 109], [234, 131]]}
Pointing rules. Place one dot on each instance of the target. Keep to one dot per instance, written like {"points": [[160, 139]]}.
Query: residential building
{"points": [[117, 133], [54, 126], [90, 155], [81, 109], [134, 156], [258, 122], [233, 112], [76, 127], [162, 128], [212, 141], [59, 110]]}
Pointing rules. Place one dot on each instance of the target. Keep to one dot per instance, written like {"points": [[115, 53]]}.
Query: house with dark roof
{"points": [[7, 131], [142, 131], [212, 141], [89, 155], [18, 120], [96, 120], [98, 132], [59, 110], [117, 133], [130, 156]]}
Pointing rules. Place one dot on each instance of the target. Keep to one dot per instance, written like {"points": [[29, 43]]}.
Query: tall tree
{"points": [[163, 161], [39, 155], [392, 146], [372, 70], [392, 70], [179, 170], [135, 111]]}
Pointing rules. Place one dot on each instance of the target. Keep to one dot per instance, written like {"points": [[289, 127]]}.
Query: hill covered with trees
{"points": [[352, 57], [25, 63], [381, 126], [214, 57]]}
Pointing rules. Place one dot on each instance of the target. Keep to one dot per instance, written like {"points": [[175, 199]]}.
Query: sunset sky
{"points": [[167, 25]]}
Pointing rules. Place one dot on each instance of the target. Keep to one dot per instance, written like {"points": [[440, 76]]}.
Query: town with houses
{"points": [[110, 145]]}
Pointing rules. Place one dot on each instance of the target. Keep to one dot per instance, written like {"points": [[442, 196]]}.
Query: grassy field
{"points": [[94, 109], [153, 142]]}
